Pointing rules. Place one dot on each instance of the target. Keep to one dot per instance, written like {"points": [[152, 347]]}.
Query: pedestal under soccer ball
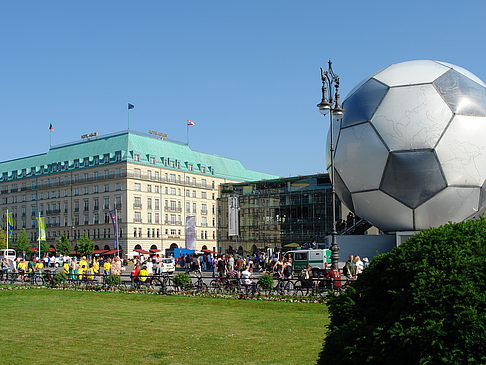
{"points": [[410, 152]]}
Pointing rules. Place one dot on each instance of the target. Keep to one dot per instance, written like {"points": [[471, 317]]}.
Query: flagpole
{"points": [[39, 223], [187, 133], [50, 138], [116, 231], [128, 118], [7, 228]]}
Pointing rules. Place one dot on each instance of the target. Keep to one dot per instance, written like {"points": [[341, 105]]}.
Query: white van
{"points": [[168, 265], [317, 259], [9, 254]]}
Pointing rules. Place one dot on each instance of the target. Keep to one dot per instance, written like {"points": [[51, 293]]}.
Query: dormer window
{"points": [[136, 157], [96, 160], [76, 164], [118, 156], [152, 160], [172, 163], [203, 169], [189, 167]]}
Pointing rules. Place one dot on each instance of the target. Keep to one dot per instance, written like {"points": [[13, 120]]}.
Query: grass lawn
{"points": [[44, 326]]}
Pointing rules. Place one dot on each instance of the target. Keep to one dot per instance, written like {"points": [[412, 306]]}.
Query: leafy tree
{"points": [[422, 303], [23, 243], [3, 239], [85, 245], [63, 245]]}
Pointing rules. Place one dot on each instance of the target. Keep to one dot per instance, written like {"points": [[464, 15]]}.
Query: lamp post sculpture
{"points": [[330, 104]]}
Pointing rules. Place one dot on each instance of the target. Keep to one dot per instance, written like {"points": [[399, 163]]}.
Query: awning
{"points": [[154, 251], [74, 253], [111, 252], [98, 252], [33, 249], [209, 251], [143, 252]]}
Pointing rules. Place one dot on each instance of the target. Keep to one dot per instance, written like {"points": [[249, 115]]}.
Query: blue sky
{"points": [[246, 72]]}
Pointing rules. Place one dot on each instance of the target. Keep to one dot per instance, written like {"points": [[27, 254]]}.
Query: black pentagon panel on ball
{"points": [[343, 193], [463, 95], [361, 105], [412, 177]]}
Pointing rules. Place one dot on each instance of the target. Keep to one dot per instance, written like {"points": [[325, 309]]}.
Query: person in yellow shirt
{"points": [[143, 274], [66, 267], [107, 267], [90, 272], [83, 264], [39, 267]]}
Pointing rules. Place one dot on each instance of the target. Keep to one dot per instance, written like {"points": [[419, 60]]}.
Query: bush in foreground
{"points": [[265, 282], [113, 280], [422, 303], [181, 280]]}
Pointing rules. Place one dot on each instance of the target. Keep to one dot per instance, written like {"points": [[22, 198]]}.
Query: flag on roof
{"points": [[10, 223], [130, 106], [51, 128], [190, 122]]}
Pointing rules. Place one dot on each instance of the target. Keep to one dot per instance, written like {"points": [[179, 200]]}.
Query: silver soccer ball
{"points": [[410, 151]]}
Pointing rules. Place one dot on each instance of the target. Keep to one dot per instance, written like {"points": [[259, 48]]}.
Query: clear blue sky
{"points": [[246, 72]]}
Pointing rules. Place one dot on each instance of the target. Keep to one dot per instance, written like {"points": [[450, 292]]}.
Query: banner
{"points": [[190, 232], [42, 228], [233, 216], [113, 216], [10, 223]]}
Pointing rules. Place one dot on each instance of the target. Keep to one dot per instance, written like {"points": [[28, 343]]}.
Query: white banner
{"points": [[233, 216]]}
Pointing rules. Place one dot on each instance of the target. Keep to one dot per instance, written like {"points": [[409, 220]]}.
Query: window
{"points": [[149, 203], [203, 169], [137, 187], [118, 202], [194, 207], [86, 220], [156, 218], [172, 178], [137, 202], [106, 203], [137, 218], [118, 186], [136, 157], [96, 176], [194, 181], [204, 209], [149, 174], [86, 177], [203, 183], [166, 189], [96, 219], [188, 193], [172, 163], [172, 219], [188, 207], [173, 232], [194, 193], [156, 204], [204, 222], [152, 160], [76, 205], [118, 172], [149, 188], [189, 167], [172, 191], [107, 174], [156, 188], [118, 156], [95, 189], [156, 175], [107, 188], [96, 204], [106, 159], [203, 195], [149, 217], [85, 190], [76, 192], [137, 173], [86, 205]]}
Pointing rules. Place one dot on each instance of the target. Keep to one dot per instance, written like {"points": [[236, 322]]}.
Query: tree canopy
{"points": [[23, 243], [63, 245], [85, 245], [423, 302]]}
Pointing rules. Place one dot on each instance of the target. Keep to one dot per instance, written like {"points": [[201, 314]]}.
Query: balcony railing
{"points": [[172, 209]]}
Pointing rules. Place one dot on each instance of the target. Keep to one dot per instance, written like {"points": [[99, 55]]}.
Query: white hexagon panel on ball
{"points": [[410, 150]]}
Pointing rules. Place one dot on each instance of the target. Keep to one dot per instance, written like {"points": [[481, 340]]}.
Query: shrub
{"points": [[266, 282], [423, 302], [59, 278], [181, 280], [113, 280]]}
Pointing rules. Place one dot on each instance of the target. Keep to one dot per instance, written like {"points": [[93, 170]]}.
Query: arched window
{"points": [[240, 250], [230, 249], [106, 247], [153, 247], [137, 247], [174, 245], [254, 249], [204, 247], [97, 247]]}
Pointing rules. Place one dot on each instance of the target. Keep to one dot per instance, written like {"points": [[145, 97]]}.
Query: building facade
{"points": [[153, 184], [273, 213]]}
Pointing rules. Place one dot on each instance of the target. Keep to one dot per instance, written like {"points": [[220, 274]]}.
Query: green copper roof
{"points": [[127, 146]]}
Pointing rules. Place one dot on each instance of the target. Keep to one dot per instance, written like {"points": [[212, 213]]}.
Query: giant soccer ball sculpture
{"points": [[410, 151]]}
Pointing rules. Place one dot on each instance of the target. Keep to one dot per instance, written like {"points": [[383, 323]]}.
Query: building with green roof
{"points": [[152, 183]]}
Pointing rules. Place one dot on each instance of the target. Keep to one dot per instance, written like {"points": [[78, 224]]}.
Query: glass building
{"points": [[274, 213]]}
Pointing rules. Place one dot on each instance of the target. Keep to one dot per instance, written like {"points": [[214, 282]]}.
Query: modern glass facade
{"points": [[273, 213]]}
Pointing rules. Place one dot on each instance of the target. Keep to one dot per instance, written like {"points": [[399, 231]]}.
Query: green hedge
{"points": [[422, 303]]}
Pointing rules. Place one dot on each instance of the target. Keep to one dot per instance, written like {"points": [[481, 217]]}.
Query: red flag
{"points": [[51, 128], [190, 122]]}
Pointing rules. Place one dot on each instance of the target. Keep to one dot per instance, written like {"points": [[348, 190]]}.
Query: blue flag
{"points": [[130, 106]]}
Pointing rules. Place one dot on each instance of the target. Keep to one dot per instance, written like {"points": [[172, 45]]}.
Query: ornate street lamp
{"points": [[330, 104]]}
